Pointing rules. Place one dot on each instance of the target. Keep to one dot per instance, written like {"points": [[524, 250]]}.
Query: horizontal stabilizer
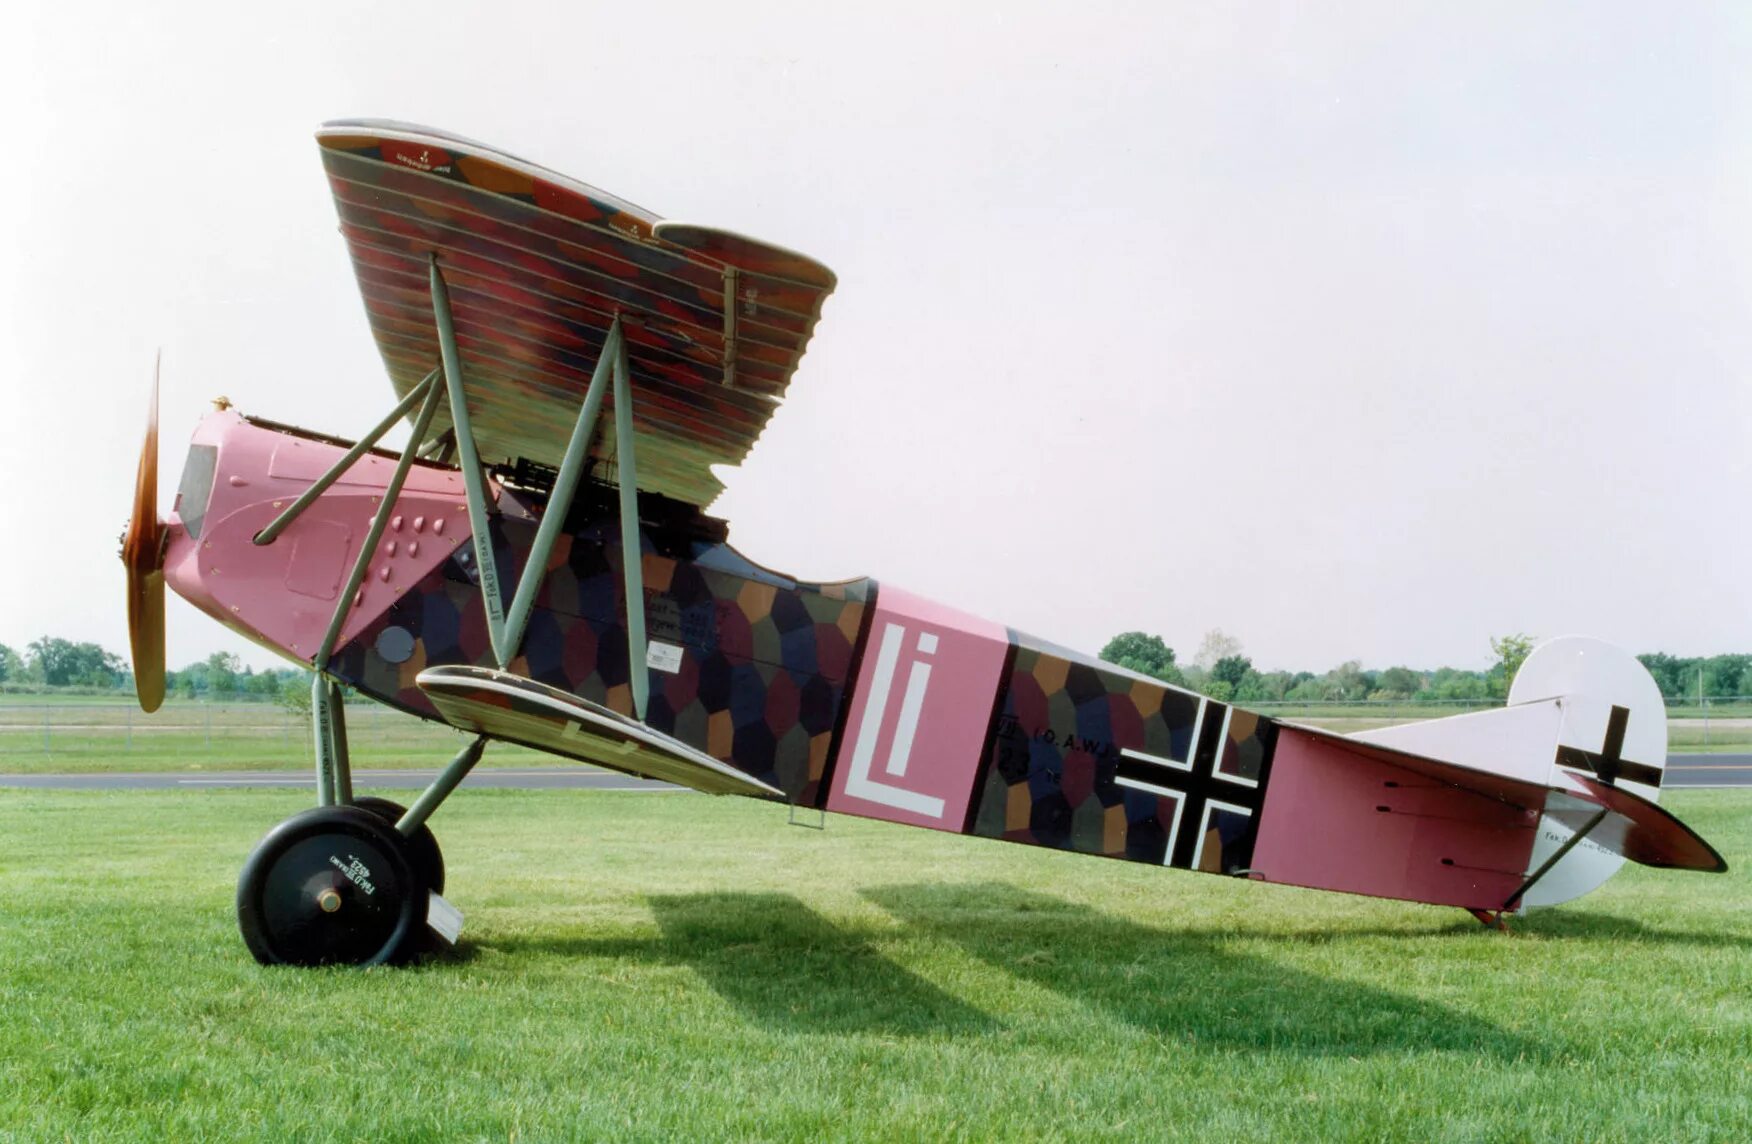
{"points": [[511, 707], [1633, 827], [1517, 792], [1516, 741]]}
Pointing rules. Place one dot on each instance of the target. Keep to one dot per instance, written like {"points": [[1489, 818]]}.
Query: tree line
{"points": [[64, 665], [1221, 670]]}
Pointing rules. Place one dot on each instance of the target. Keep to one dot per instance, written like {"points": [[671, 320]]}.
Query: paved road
{"points": [[1708, 771], [1682, 771]]}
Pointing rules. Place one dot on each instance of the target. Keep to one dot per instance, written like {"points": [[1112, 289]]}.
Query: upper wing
{"points": [[538, 266]]}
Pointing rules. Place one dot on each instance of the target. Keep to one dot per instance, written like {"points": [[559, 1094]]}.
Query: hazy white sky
{"points": [[1367, 333]]}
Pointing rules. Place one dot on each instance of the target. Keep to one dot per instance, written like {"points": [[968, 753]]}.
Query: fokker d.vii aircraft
{"points": [[536, 568]]}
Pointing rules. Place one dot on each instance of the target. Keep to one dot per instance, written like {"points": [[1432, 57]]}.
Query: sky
{"points": [[1359, 333]]}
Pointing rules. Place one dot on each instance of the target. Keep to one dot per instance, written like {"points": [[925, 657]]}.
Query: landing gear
{"points": [[342, 884], [332, 886]]}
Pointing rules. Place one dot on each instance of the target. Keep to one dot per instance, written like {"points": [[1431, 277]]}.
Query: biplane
{"points": [[536, 566]]}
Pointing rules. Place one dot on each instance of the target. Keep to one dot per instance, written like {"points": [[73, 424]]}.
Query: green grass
{"points": [[677, 967], [195, 737], [1372, 712], [1691, 739]]}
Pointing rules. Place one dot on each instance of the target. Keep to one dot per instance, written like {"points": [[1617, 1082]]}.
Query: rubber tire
{"points": [[423, 849], [277, 892]]}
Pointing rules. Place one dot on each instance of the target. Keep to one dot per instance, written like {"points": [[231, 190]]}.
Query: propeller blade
{"points": [[146, 637], [143, 555]]}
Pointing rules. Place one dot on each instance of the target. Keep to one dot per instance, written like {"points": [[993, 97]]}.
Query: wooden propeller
{"points": [[143, 556]]}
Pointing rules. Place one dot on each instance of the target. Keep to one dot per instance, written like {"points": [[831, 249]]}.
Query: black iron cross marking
{"points": [[1197, 785], [1609, 762]]}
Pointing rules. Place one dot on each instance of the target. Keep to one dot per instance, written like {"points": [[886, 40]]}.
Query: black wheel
{"points": [[330, 886], [422, 848]]}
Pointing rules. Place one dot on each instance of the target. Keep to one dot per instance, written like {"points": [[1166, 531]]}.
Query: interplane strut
{"points": [[470, 462]]}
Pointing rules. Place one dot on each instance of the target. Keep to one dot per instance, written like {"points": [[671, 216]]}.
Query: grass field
{"points": [[68, 738], [667, 966]]}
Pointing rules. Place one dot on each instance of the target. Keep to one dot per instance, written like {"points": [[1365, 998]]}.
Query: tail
{"points": [[1581, 712]]}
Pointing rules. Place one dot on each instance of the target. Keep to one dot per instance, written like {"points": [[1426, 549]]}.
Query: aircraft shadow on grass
{"points": [[1581, 925], [1187, 985], [785, 966], [1542, 925]]}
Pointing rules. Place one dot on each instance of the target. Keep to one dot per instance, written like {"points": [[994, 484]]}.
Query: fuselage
{"points": [[851, 696]]}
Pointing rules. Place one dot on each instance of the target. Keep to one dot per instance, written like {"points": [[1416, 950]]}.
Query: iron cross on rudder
{"points": [[1609, 763]]}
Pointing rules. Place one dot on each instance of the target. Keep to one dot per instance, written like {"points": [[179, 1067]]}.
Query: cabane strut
{"points": [[505, 631]]}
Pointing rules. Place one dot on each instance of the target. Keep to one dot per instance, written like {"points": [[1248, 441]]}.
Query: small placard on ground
{"points": [[444, 918]]}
